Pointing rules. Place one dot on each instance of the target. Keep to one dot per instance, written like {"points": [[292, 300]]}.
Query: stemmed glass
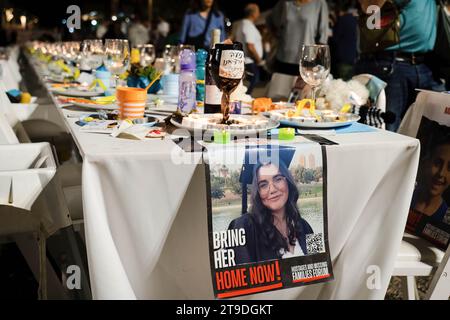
{"points": [[92, 54], [315, 66], [170, 57], [227, 69], [70, 51], [117, 57], [146, 54]]}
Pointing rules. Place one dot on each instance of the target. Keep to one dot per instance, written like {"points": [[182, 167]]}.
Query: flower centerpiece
{"points": [[140, 77]]}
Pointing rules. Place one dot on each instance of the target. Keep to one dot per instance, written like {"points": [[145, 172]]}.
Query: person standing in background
{"points": [[114, 32], [439, 59], [138, 33], [162, 27], [344, 42], [102, 29], [198, 22], [296, 23], [246, 32], [159, 34], [402, 66]]}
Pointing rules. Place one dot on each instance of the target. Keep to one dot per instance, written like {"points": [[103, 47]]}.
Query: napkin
{"points": [[105, 99], [355, 128], [127, 130], [85, 78]]}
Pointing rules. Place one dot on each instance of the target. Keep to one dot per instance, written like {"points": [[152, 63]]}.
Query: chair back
{"points": [[280, 86]]}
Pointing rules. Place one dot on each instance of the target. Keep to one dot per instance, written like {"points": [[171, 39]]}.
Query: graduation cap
{"points": [[262, 154]]}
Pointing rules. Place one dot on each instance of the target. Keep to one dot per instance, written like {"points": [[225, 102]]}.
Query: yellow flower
{"points": [[124, 75], [135, 56]]}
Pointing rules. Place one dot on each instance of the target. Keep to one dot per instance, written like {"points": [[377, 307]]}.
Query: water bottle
{"points": [[200, 74], [187, 82]]}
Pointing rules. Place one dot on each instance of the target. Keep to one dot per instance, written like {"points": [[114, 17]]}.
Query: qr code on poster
{"points": [[314, 243]]}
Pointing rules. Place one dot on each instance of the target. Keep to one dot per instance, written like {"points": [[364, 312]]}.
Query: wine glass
{"points": [[315, 66], [170, 57], [92, 54], [70, 51], [227, 69], [117, 57], [146, 54]]}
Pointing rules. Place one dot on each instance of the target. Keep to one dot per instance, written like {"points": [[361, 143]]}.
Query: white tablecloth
{"points": [[146, 218]]}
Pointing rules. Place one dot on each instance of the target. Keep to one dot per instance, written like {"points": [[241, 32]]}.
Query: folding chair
{"points": [[418, 257], [30, 205]]}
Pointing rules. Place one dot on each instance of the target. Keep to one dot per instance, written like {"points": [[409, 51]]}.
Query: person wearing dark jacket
{"points": [[274, 228]]}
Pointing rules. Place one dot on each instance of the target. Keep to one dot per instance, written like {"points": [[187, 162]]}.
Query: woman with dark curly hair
{"points": [[273, 228]]}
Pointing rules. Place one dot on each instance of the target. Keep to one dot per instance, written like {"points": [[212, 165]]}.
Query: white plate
{"points": [[318, 125], [313, 125], [111, 106], [59, 77], [74, 92], [271, 124]]}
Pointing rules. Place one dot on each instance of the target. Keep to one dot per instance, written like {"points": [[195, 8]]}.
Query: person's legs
{"points": [[344, 71], [426, 79], [252, 75], [286, 68], [396, 89], [400, 92]]}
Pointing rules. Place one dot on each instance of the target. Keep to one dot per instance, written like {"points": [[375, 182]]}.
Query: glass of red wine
{"points": [[227, 69]]}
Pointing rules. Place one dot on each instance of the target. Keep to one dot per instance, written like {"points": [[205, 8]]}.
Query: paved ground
{"points": [[394, 291]]}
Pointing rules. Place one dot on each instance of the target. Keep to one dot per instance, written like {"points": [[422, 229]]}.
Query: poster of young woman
{"points": [[429, 215], [267, 217]]}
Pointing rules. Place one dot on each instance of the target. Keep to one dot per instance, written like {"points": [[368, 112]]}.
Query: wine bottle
{"points": [[213, 96]]}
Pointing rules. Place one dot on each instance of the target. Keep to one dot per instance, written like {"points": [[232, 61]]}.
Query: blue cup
{"points": [[104, 76], [169, 83]]}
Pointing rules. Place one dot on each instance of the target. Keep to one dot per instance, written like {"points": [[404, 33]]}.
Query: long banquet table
{"points": [[146, 217]]}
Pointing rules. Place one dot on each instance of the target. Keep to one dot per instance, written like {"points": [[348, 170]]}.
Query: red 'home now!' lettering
{"points": [[231, 279]]}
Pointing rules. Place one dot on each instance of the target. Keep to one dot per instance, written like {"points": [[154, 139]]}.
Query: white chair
{"points": [[9, 80], [364, 79], [380, 103], [417, 258], [24, 207], [280, 86]]}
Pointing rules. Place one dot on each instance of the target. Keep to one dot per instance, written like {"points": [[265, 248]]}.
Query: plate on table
{"points": [[241, 124], [82, 92], [88, 103], [90, 123], [304, 119], [94, 105], [59, 78]]}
